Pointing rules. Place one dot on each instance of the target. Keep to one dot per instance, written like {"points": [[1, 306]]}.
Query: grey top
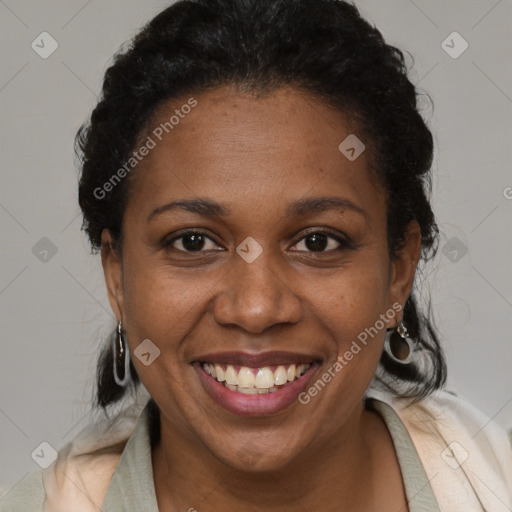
{"points": [[132, 485]]}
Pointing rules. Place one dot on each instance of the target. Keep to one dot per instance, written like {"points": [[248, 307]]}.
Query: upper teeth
{"points": [[255, 378]]}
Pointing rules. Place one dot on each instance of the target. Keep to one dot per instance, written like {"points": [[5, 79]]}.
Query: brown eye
{"points": [[191, 241], [319, 241]]}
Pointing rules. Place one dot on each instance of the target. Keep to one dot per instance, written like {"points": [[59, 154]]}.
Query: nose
{"points": [[256, 296]]}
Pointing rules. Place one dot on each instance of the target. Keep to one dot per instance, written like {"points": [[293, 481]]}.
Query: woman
{"points": [[256, 177]]}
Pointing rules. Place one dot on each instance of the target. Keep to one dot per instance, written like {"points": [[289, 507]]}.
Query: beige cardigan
{"points": [[467, 459]]}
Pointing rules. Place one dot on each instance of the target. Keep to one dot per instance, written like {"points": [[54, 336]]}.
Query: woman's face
{"points": [[259, 290]]}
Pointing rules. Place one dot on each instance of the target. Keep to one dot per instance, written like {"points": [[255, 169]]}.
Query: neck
{"points": [[337, 471]]}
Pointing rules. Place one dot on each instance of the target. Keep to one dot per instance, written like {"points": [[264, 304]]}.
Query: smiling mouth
{"points": [[253, 381]]}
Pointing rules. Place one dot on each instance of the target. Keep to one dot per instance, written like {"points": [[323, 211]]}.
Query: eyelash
{"points": [[343, 242]]}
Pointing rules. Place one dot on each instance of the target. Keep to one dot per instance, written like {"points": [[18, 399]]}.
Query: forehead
{"points": [[239, 149]]}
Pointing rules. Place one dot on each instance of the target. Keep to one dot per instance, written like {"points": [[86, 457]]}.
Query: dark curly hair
{"points": [[323, 47]]}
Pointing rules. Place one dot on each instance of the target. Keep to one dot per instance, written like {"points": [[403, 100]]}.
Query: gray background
{"points": [[54, 309]]}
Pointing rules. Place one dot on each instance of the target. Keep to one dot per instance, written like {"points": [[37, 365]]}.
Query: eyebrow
{"points": [[300, 207]]}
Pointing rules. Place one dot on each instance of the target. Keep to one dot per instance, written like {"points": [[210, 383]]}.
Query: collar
{"points": [[132, 486]]}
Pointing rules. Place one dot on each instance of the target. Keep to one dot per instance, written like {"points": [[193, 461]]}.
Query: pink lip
{"points": [[254, 405]]}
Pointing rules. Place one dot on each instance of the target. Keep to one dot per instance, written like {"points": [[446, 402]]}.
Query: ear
{"points": [[403, 266], [113, 272]]}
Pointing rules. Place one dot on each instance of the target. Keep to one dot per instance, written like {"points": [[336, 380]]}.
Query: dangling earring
{"points": [[121, 358], [400, 349]]}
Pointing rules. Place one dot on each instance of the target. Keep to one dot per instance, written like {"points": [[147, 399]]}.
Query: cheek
{"points": [[350, 307], [163, 308], [159, 301], [351, 300], [159, 308]]}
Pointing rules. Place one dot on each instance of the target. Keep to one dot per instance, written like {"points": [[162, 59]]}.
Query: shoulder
{"points": [[26, 496], [447, 417], [73, 482], [80, 476], [443, 415], [464, 452], [80, 481]]}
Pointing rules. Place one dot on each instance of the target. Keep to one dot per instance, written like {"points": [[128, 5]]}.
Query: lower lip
{"points": [[254, 405]]}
